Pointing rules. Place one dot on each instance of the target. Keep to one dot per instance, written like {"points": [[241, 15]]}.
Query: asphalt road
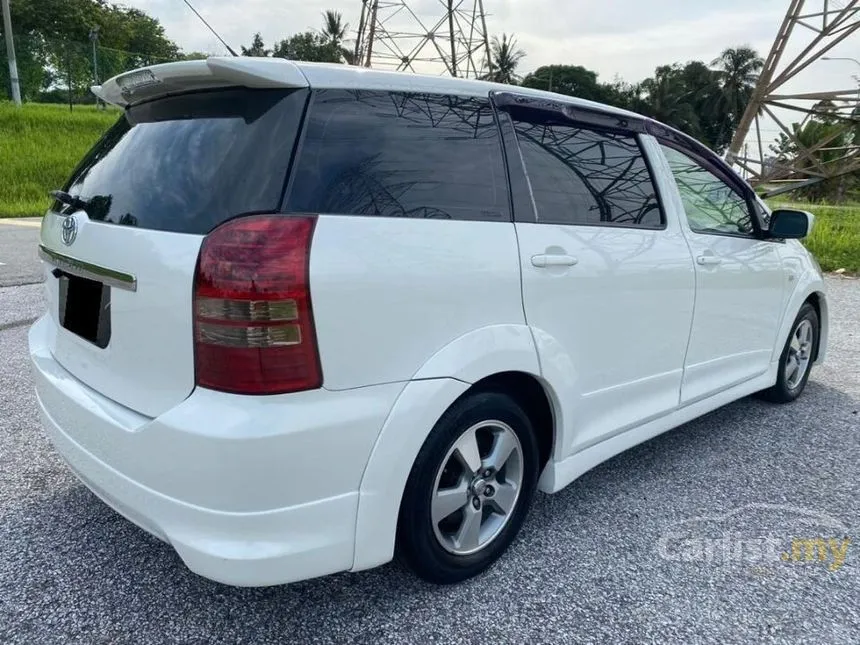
{"points": [[634, 551], [19, 263]]}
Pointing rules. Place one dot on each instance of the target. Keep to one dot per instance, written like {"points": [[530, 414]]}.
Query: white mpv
{"points": [[303, 318]]}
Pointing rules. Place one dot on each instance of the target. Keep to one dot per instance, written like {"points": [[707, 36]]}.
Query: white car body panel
{"points": [[417, 409], [738, 300], [805, 276], [148, 365], [634, 339], [229, 481], [737, 313], [442, 269], [594, 323], [202, 75], [559, 474]]}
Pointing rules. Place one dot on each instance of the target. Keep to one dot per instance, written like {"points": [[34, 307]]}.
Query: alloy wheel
{"points": [[477, 487], [799, 354]]}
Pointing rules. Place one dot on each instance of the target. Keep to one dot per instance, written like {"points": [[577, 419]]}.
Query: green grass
{"points": [[835, 238], [40, 144]]}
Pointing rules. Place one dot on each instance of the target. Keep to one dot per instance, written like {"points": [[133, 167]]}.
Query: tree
{"points": [[831, 135], [628, 96], [572, 80], [505, 57], [257, 48], [308, 46], [193, 56], [702, 91], [54, 48], [668, 101], [737, 69], [32, 74], [334, 32]]}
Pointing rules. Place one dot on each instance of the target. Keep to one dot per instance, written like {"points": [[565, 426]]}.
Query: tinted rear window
{"points": [[187, 163], [587, 177], [395, 154]]}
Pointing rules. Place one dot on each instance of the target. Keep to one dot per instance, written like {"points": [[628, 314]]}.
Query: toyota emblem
{"points": [[70, 230]]}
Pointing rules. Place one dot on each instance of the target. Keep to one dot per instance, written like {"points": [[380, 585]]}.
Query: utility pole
{"points": [[94, 37], [10, 53], [69, 70]]}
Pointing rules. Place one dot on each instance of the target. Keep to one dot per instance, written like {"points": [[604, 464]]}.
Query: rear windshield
{"points": [[187, 163]]}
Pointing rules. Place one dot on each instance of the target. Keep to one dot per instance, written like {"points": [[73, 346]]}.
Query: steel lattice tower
{"points": [[451, 40], [817, 26]]}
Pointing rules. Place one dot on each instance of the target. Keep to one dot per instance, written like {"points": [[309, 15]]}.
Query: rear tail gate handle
{"points": [[553, 260]]}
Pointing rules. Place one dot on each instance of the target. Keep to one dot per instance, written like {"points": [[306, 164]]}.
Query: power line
{"points": [[229, 49]]}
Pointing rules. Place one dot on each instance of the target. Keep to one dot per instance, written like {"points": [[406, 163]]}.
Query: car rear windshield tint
{"points": [[187, 163], [395, 154]]}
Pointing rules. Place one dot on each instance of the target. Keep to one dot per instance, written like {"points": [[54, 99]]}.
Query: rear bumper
{"points": [[249, 491]]}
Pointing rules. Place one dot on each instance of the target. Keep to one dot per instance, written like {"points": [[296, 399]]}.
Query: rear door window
{"points": [[186, 163], [584, 176], [392, 154]]}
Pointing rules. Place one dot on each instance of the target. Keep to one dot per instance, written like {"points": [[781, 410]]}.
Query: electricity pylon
{"points": [[452, 39], [817, 26]]}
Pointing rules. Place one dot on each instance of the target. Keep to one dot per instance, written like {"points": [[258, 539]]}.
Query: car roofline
{"points": [[339, 76]]}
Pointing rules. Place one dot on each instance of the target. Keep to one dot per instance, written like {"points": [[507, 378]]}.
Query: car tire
{"points": [[800, 349], [494, 493]]}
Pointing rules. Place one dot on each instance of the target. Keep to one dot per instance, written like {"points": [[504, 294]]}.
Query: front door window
{"points": [[711, 205]]}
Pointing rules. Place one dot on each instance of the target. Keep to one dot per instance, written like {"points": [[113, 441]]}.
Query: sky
{"points": [[615, 38]]}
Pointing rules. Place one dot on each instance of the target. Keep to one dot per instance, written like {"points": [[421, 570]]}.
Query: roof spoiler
{"points": [[157, 80]]}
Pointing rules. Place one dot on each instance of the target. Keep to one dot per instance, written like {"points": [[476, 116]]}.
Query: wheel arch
{"points": [[500, 358], [531, 394], [810, 288], [819, 301]]}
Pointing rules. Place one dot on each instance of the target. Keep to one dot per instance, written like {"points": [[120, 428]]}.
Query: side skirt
{"points": [[559, 474]]}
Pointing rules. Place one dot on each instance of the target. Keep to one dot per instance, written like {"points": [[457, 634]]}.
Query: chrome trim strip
{"points": [[87, 270]]}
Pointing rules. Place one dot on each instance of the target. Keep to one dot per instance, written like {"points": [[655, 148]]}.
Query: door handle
{"points": [[553, 260], [708, 260]]}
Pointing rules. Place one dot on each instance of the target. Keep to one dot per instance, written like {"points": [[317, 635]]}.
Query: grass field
{"points": [[39, 147], [41, 144], [835, 238]]}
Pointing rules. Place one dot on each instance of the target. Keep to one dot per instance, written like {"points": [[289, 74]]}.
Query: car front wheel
{"points": [[795, 363]]}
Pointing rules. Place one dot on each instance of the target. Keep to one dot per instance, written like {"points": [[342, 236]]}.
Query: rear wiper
{"points": [[75, 202]]}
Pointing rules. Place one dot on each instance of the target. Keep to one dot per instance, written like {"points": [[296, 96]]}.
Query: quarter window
{"points": [[400, 155], [587, 177], [711, 205]]}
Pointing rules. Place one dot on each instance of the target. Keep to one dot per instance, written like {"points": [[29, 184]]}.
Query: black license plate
{"points": [[85, 308]]}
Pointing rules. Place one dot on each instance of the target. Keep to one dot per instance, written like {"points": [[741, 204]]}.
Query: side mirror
{"points": [[788, 223]]}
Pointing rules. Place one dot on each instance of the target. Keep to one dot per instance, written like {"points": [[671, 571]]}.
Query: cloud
{"points": [[634, 54], [626, 38]]}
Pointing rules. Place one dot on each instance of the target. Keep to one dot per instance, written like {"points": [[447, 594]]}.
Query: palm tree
{"points": [[334, 33], [666, 101], [738, 69], [505, 56]]}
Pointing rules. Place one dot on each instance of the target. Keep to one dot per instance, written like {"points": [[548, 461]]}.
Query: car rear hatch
{"points": [[198, 144]]}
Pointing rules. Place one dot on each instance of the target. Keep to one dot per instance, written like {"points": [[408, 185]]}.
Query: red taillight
{"points": [[253, 325]]}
